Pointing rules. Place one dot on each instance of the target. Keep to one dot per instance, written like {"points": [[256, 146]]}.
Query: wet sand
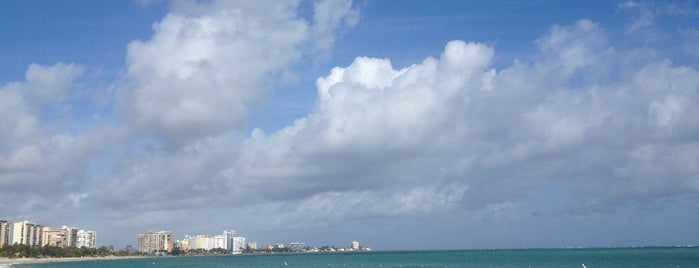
{"points": [[7, 261]]}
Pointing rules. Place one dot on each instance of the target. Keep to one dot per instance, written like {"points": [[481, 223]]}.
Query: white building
{"points": [[27, 233], [155, 242], [4, 232], [71, 236], [204, 242], [228, 237], [297, 246], [220, 242], [355, 245], [238, 244], [252, 245], [86, 239], [191, 242]]}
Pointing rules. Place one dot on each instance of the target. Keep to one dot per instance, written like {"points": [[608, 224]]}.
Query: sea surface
{"points": [[591, 258]]}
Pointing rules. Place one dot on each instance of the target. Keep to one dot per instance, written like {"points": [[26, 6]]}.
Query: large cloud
{"points": [[577, 132], [371, 123], [208, 64], [582, 119], [40, 160], [451, 134], [191, 85]]}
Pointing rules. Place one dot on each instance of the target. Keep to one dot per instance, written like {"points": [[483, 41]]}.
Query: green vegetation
{"points": [[328, 248], [26, 251], [266, 250], [176, 251]]}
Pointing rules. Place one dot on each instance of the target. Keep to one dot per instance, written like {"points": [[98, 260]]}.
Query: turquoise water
{"points": [[592, 258]]}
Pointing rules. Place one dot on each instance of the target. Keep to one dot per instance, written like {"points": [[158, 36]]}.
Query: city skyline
{"points": [[456, 124], [26, 232]]}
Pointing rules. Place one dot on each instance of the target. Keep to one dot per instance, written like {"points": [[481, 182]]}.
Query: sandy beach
{"points": [[7, 261]]}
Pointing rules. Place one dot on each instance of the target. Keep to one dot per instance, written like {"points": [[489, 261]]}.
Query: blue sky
{"points": [[459, 124]]}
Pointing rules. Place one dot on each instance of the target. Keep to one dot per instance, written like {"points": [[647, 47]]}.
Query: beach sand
{"points": [[7, 261]]}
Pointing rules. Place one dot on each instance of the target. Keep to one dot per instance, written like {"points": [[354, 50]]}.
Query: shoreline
{"points": [[10, 262]]}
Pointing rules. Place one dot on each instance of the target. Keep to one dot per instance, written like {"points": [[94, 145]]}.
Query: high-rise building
{"points": [[238, 244], [252, 245], [86, 239], [355, 245], [297, 246], [183, 244], [228, 236], [203, 241], [71, 239], [54, 238], [220, 242], [4, 233], [27, 233], [155, 242], [192, 242]]}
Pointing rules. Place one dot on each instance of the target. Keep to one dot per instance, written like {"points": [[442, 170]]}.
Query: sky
{"points": [[399, 124]]}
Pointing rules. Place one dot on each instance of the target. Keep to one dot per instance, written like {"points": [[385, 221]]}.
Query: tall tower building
{"points": [[51, 237], [355, 245], [86, 239], [27, 233], [228, 237], [4, 233], [71, 239], [238, 244], [220, 241], [204, 241], [155, 242], [252, 245]]}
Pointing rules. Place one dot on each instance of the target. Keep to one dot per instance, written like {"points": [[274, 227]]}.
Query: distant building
{"points": [[86, 239], [183, 244], [297, 246], [191, 242], [27, 233], [4, 233], [53, 237], [252, 245], [203, 241], [228, 237], [220, 242], [71, 239], [355, 245], [155, 242], [238, 244], [275, 246]]}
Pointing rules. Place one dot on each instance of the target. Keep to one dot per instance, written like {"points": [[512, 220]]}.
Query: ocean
{"points": [[591, 258]]}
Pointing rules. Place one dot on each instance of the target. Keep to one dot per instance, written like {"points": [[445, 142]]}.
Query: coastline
{"points": [[8, 261]]}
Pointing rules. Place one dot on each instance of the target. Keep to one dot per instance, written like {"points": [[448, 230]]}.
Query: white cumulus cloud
{"points": [[207, 64], [501, 134]]}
